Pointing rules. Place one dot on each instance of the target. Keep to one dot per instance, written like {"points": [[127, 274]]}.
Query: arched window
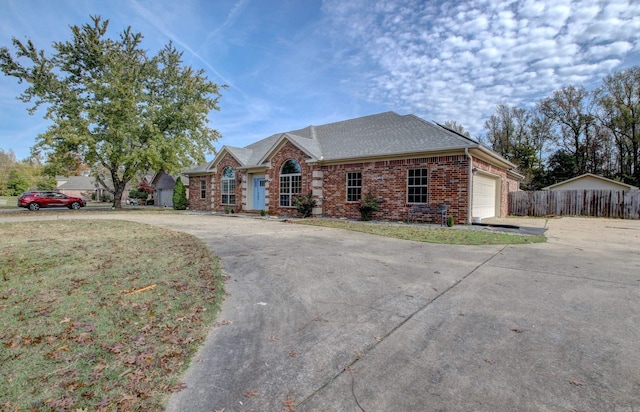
{"points": [[290, 182], [228, 187]]}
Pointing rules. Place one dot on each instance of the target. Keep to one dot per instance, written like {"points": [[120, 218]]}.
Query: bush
{"points": [[450, 221], [138, 194], [368, 206], [179, 195], [304, 203]]}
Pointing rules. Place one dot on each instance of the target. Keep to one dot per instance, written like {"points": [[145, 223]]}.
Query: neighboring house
{"points": [[84, 186], [402, 159], [79, 186], [163, 185], [590, 181]]}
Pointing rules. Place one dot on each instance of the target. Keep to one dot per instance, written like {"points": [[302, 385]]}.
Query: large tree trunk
{"points": [[117, 194]]}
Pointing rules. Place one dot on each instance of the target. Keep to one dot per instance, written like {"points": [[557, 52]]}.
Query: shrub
{"points": [[138, 194], [179, 195], [450, 221], [368, 206], [304, 203]]}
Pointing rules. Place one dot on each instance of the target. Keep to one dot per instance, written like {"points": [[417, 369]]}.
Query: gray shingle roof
{"points": [[381, 134], [77, 183]]}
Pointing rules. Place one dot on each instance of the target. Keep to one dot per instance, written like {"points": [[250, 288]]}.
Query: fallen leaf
{"points": [[251, 394], [576, 383], [516, 330], [142, 289], [289, 403]]}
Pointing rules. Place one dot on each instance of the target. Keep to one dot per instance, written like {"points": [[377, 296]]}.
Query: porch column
{"points": [[316, 191]]}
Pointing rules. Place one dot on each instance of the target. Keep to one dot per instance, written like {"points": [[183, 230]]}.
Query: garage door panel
{"points": [[484, 196]]}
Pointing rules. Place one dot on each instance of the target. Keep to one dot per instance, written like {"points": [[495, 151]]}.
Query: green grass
{"points": [[453, 236], [100, 315]]}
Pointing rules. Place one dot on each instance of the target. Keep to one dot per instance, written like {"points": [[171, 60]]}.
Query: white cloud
{"points": [[618, 48], [443, 59]]}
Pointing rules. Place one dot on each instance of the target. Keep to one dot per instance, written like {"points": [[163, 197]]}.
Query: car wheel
{"points": [[75, 206], [34, 206]]}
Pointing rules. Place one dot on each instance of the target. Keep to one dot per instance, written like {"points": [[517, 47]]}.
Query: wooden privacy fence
{"points": [[599, 203]]}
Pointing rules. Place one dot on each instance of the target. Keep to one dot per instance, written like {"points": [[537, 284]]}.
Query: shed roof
{"points": [[591, 177], [76, 182]]}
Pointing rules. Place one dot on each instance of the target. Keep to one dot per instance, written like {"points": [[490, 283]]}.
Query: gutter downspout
{"points": [[470, 189]]}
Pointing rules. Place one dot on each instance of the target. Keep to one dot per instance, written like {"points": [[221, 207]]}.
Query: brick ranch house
{"points": [[402, 159]]}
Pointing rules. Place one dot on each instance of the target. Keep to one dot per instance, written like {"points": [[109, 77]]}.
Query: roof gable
{"points": [[241, 155], [162, 180], [590, 181], [307, 145], [379, 135]]}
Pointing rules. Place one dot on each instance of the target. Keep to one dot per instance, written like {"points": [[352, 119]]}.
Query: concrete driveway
{"points": [[321, 319]]}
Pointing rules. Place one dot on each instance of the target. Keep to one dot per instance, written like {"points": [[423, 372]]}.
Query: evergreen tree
{"points": [[179, 195]]}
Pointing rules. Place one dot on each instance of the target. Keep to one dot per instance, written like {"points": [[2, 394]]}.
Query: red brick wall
{"points": [[448, 184], [227, 160], [213, 181], [195, 202], [287, 152]]}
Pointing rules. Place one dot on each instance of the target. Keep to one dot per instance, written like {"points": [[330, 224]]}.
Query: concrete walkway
{"points": [[322, 319]]}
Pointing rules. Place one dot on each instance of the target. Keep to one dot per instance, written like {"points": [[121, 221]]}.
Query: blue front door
{"points": [[258, 193]]}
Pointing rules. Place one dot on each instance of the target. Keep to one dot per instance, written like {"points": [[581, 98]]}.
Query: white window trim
{"points": [[291, 192], [352, 187], [427, 186], [203, 189], [231, 182]]}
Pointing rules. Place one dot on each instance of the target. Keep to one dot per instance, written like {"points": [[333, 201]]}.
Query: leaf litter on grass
{"points": [[72, 333]]}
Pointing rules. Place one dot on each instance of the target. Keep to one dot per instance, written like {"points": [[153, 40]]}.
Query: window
{"points": [[228, 188], [203, 189], [290, 182], [417, 185], [354, 186]]}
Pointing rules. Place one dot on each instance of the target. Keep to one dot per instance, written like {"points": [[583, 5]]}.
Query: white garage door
{"points": [[484, 196]]}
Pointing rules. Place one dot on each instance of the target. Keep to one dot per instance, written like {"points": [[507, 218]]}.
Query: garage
{"points": [[485, 191]]}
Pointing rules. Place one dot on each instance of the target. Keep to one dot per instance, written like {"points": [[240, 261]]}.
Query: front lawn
{"points": [[453, 236], [100, 315]]}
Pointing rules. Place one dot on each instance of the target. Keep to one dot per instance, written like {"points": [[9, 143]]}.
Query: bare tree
{"points": [[618, 104], [456, 127], [567, 109]]}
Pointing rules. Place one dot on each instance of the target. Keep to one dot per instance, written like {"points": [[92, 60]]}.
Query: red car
{"points": [[36, 200]]}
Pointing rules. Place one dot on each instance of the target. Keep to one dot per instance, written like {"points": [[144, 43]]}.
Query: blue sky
{"points": [[292, 63]]}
